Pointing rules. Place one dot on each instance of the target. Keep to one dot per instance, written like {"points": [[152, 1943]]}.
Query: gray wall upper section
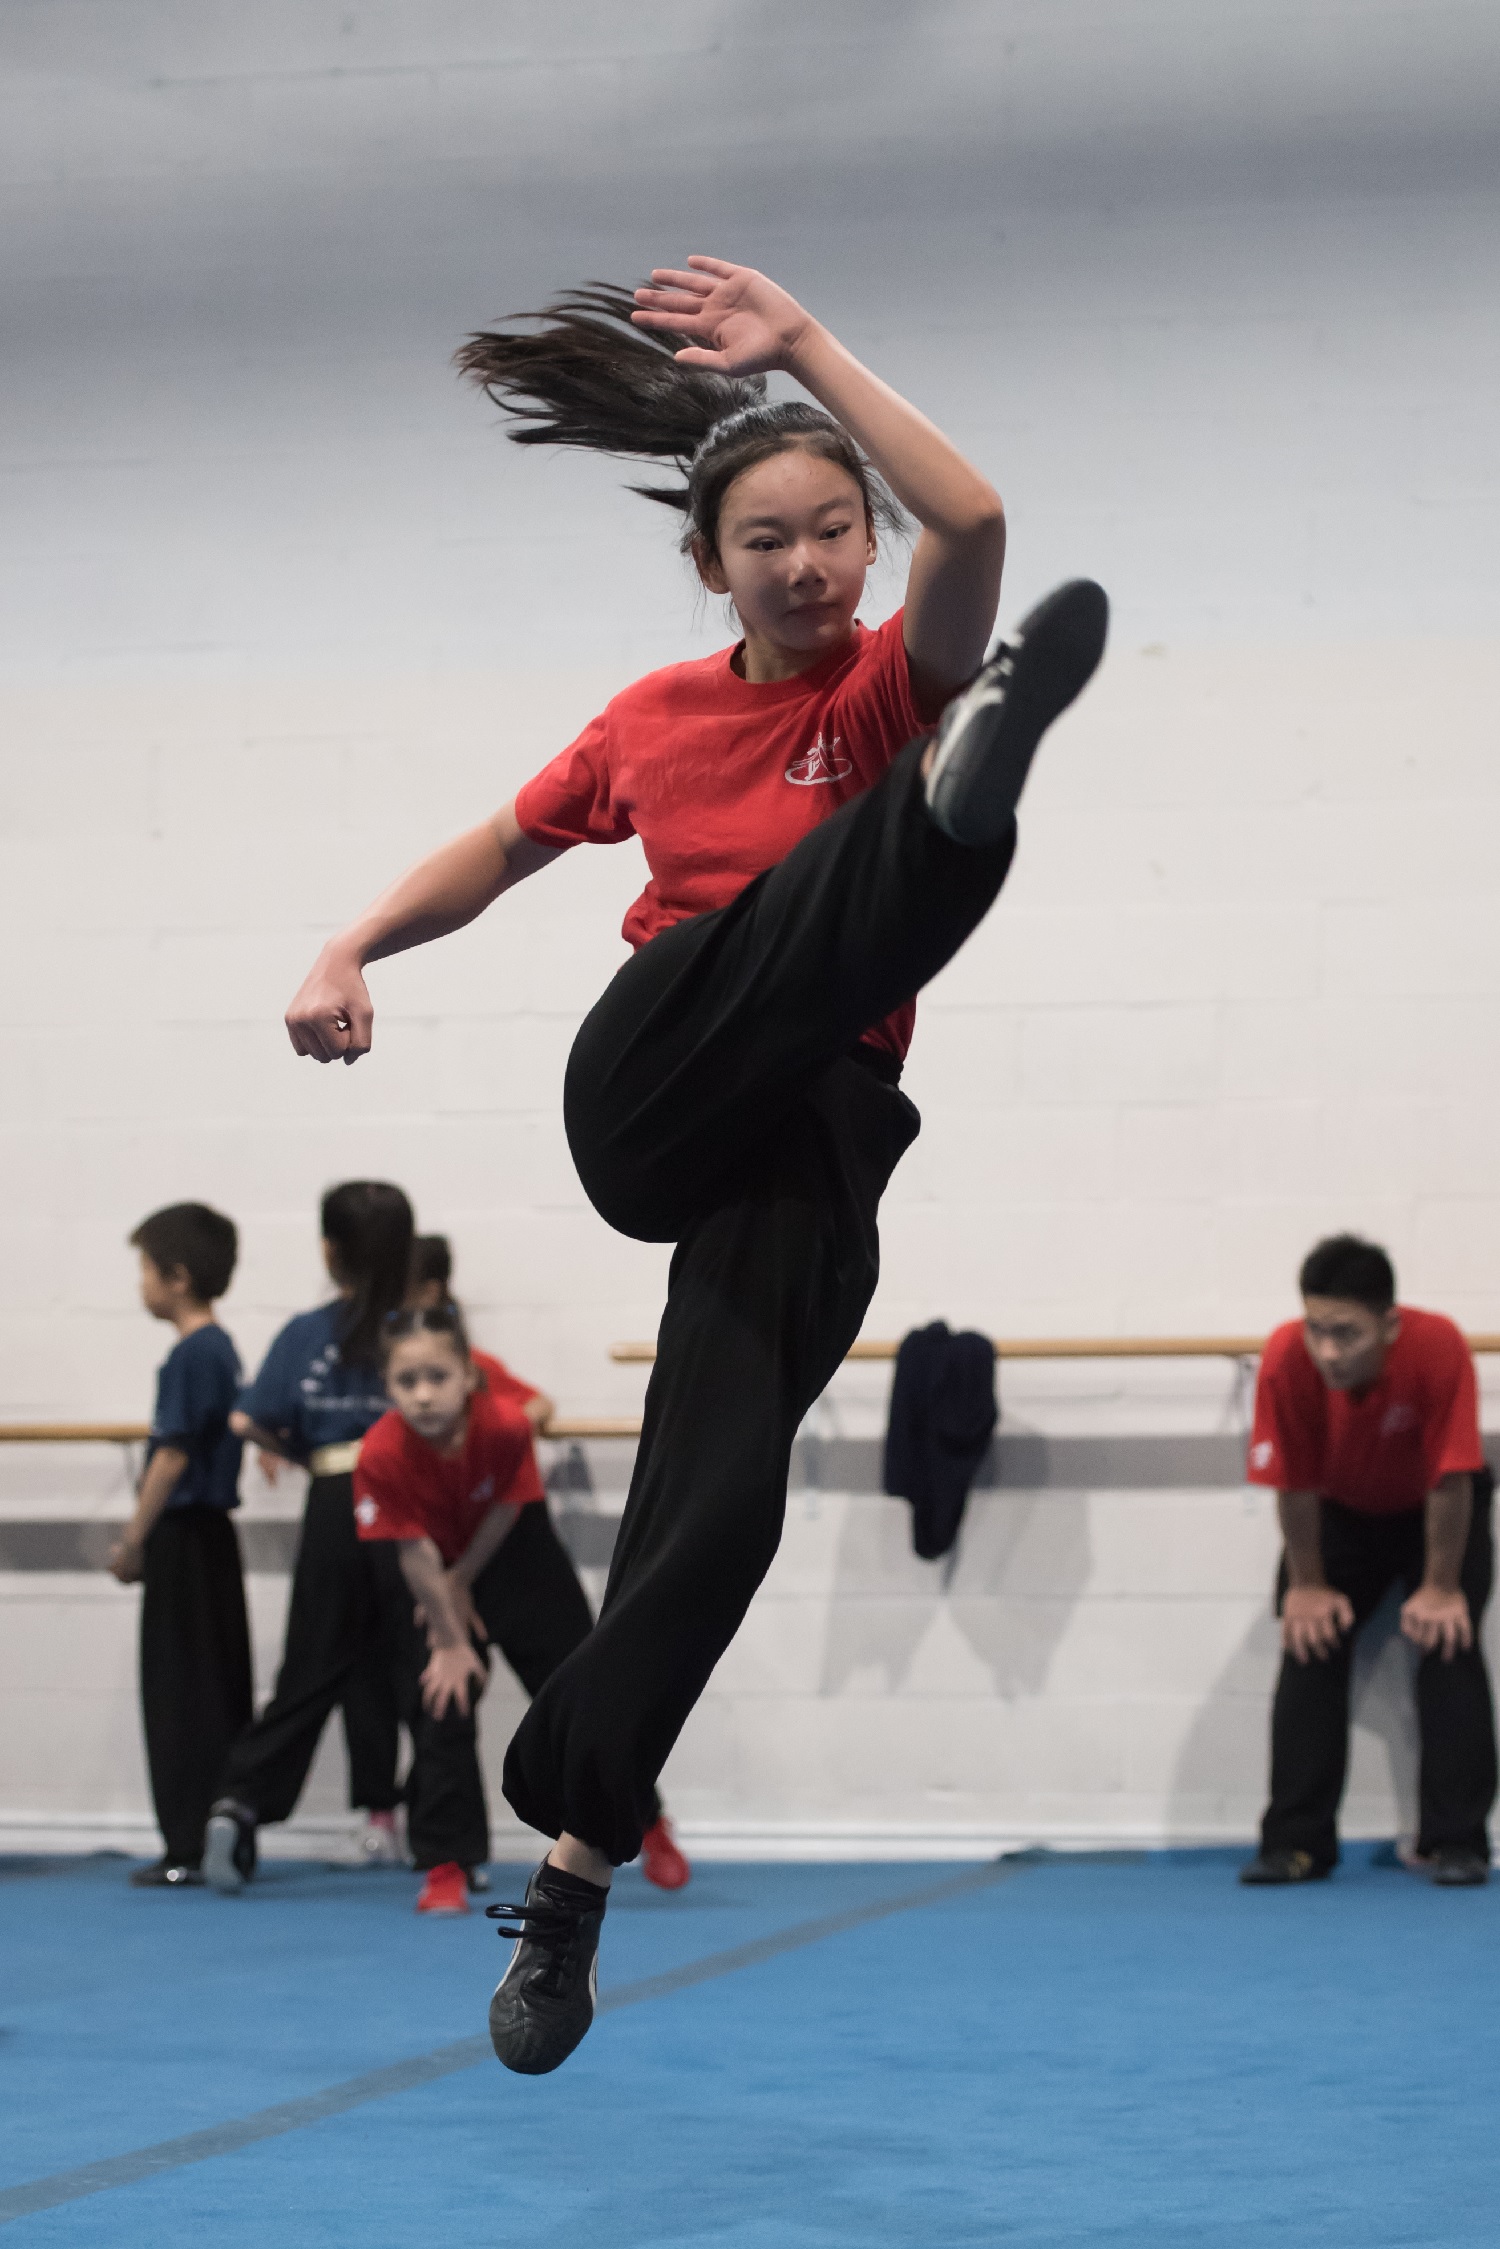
{"points": [[1210, 290]]}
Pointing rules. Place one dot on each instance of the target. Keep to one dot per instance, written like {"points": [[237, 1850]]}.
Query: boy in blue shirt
{"points": [[195, 1642]]}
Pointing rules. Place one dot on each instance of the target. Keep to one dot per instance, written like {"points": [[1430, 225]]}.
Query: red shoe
{"points": [[446, 1890], [661, 1860]]}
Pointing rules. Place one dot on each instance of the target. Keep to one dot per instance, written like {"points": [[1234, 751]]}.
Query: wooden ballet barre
{"points": [[563, 1426], [1082, 1347]]}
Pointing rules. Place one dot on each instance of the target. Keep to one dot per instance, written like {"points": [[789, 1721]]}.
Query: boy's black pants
{"points": [[343, 1629], [1363, 1555], [535, 1612], [714, 1099], [195, 1668]]}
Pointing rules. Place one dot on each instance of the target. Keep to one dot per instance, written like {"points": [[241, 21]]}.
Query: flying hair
{"points": [[590, 379]]}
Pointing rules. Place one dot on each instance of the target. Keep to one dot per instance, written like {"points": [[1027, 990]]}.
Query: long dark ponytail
{"points": [[588, 378], [368, 1225]]}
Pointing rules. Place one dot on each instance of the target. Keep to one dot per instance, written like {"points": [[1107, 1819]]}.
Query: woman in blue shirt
{"points": [[317, 1392]]}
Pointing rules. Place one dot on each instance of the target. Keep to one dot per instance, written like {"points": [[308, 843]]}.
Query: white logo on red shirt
{"points": [[1397, 1418], [823, 762], [1261, 1455], [486, 1490], [367, 1509]]}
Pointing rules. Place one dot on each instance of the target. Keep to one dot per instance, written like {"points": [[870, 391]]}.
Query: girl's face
{"points": [[430, 1383], [793, 551]]}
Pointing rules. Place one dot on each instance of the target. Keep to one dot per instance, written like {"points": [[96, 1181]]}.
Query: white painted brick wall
{"points": [[281, 608], [1097, 1667]]}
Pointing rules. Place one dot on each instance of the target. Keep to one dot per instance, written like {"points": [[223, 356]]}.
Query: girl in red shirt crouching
{"points": [[450, 1476], [815, 861]]}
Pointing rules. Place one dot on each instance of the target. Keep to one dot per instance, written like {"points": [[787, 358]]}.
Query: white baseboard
{"points": [[721, 1841], [711, 1841]]}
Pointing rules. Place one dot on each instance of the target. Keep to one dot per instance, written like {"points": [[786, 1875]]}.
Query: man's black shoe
{"points": [[164, 1874], [987, 736], [544, 2002], [1280, 1867], [229, 1847], [1453, 1866]]}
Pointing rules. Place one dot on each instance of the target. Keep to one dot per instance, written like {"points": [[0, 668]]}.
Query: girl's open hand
{"points": [[453, 1675], [741, 323], [331, 1018]]}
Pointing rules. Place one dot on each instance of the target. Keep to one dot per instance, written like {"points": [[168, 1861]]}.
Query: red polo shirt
{"points": [[406, 1488], [1379, 1451]]}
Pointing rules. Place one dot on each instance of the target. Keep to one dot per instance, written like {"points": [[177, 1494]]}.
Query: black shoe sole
{"points": [[990, 733]]}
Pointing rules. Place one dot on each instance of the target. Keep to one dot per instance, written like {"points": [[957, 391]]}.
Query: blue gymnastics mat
{"points": [[1122, 2051]]}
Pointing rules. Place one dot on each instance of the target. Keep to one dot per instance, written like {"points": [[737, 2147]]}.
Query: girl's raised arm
{"points": [[747, 326], [331, 1017]]}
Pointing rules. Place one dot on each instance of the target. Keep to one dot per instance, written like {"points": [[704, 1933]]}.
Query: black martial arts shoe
{"points": [[544, 2002], [1276, 1868], [987, 736], [1453, 1866], [164, 1874], [229, 1847]]}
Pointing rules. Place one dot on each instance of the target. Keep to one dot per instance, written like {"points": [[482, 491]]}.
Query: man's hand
{"points": [[127, 1560], [449, 1675], [1314, 1618], [1438, 1620]]}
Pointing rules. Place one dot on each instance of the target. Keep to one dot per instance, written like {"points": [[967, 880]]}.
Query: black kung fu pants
{"points": [[714, 1099], [536, 1613], [1363, 1555], [344, 1622], [195, 1668]]}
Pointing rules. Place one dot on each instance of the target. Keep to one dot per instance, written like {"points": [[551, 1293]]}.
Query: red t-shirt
{"points": [[720, 778], [1381, 1450], [406, 1488]]}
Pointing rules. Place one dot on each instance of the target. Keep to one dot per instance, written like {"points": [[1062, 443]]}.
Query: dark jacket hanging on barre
{"points": [[943, 1415]]}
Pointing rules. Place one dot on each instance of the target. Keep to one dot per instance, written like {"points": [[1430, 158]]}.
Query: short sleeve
{"points": [[382, 1498], [194, 1396], [873, 709], [1283, 1451], [1451, 1443], [571, 800]]}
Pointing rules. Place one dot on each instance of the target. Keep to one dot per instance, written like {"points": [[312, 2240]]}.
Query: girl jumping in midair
{"points": [[815, 859]]}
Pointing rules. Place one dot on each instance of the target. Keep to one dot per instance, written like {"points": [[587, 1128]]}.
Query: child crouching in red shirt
{"points": [[450, 1476]]}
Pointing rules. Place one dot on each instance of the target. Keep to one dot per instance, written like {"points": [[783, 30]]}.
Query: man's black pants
{"points": [[343, 1630], [536, 1613], [714, 1099], [195, 1668], [1363, 1556]]}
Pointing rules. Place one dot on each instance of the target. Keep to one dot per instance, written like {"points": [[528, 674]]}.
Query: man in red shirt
{"points": [[1367, 1424]]}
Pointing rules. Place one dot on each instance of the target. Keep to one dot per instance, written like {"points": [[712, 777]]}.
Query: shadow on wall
{"points": [[1221, 1774], [1021, 1565]]}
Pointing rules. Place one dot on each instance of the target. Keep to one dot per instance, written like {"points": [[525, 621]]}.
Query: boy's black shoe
{"points": [[1279, 1867], [544, 2002], [988, 734], [163, 1874], [1453, 1866], [229, 1847]]}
